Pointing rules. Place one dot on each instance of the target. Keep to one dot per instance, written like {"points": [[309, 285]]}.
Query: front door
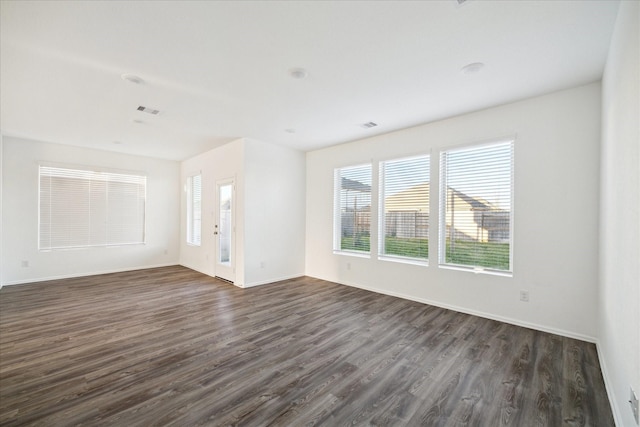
{"points": [[225, 230]]}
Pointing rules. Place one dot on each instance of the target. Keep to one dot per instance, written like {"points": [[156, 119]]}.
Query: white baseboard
{"points": [[242, 285], [92, 273], [517, 322], [195, 269], [250, 284], [615, 409], [277, 279]]}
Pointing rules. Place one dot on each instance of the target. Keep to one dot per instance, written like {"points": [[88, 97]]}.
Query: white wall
{"points": [[220, 163], [269, 214], [619, 299], [20, 161], [275, 213], [556, 214], [1, 207]]}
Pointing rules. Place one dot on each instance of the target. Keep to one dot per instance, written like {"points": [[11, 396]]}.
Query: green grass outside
{"points": [[358, 243], [414, 248], [488, 255], [474, 254]]}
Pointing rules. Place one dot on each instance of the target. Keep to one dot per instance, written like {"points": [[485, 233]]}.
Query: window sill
{"points": [[353, 254], [402, 260], [476, 270]]}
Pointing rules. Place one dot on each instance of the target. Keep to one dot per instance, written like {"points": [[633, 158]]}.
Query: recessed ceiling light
{"points": [[290, 130], [137, 121], [117, 142], [472, 68], [298, 73], [131, 78]]}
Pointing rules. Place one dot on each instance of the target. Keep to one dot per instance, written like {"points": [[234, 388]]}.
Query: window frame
{"points": [[98, 215], [382, 212], [442, 208], [337, 211]]}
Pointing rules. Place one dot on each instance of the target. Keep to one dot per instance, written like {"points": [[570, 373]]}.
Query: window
{"points": [[82, 208], [352, 212], [404, 199], [476, 193], [194, 209]]}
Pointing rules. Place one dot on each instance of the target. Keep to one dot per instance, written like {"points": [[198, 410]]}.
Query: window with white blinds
{"points": [[82, 208], [404, 200], [194, 209], [476, 207], [352, 211]]}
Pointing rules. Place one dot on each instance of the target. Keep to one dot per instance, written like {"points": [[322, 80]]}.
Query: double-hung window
{"points": [[352, 209], [404, 201], [86, 207], [476, 207], [194, 209]]}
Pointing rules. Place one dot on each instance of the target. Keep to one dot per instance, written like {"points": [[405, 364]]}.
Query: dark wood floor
{"points": [[170, 346]]}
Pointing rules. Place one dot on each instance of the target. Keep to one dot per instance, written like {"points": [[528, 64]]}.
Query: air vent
{"points": [[460, 2], [148, 110], [369, 125]]}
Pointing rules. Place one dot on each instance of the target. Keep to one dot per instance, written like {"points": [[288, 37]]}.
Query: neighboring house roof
{"points": [[350, 184], [416, 198], [474, 204]]}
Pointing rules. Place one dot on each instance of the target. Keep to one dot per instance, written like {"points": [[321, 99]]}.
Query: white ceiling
{"points": [[220, 70]]}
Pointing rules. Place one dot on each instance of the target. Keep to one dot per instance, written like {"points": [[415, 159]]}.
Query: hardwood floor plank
{"points": [[173, 347]]}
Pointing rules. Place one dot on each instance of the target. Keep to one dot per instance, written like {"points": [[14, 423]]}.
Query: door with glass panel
{"points": [[224, 230]]}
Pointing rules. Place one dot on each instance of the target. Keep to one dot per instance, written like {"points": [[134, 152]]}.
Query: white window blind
{"points": [[194, 209], [476, 194], [83, 208], [352, 212], [404, 198]]}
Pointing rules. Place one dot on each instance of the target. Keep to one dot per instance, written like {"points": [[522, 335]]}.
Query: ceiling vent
{"points": [[369, 125], [148, 110], [461, 2]]}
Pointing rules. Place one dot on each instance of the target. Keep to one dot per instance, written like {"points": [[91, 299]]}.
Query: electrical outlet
{"points": [[633, 401], [524, 296], [262, 264], [348, 266], [25, 264]]}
